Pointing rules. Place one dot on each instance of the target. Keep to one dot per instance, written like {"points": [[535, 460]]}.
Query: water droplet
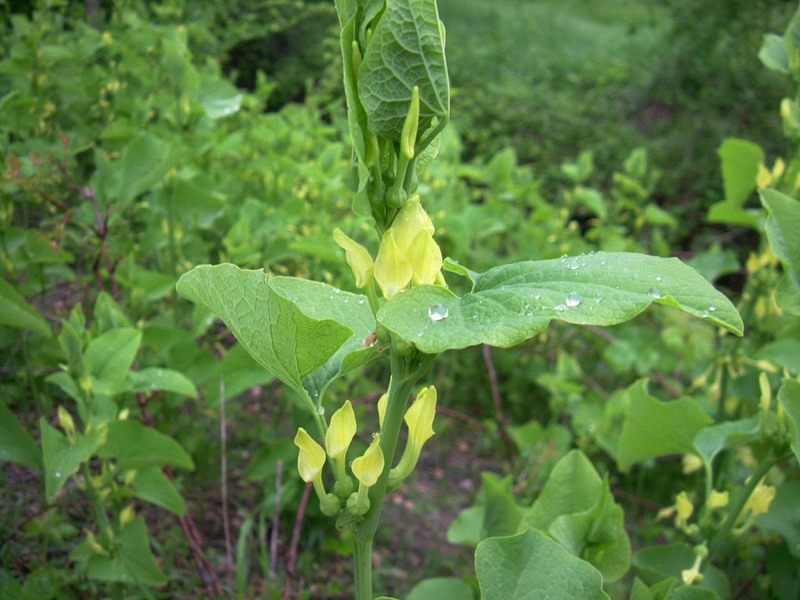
{"points": [[560, 307], [361, 301], [574, 265], [57, 474], [320, 411], [706, 314], [592, 253], [712, 308], [437, 312], [655, 293], [659, 278], [475, 316], [574, 299], [337, 291], [537, 296], [599, 299]]}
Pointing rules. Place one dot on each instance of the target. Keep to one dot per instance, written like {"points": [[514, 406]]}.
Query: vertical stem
{"points": [[403, 379]]}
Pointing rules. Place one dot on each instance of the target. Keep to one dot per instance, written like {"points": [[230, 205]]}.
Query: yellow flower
{"points": [[392, 269], [717, 500], [341, 431], [383, 401], [368, 468], [760, 499], [410, 221], [311, 458], [425, 258], [685, 509], [419, 418], [357, 257]]}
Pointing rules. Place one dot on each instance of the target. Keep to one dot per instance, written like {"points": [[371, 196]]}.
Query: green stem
{"points": [[403, 379], [362, 550], [738, 504]]}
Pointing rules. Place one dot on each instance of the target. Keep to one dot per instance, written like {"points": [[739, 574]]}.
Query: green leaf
{"points": [[111, 355], [784, 352], [501, 516], [576, 508], [512, 303], [143, 164], [303, 332], [406, 50], [740, 162], [529, 565], [441, 588], [789, 397], [152, 485], [62, 458], [573, 486], [654, 428], [15, 312], [156, 378], [640, 591], [782, 225], [656, 563], [136, 446], [134, 562], [773, 54], [714, 438], [236, 372], [16, 444], [467, 528]]}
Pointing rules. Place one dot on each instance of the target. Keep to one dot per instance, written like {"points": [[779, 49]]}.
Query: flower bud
{"points": [[408, 138], [368, 468], [392, 270], [685, 509], [717, 500], [126, 516], [66, 422], [760, 499], [341, 431], [357, 257], [383, 402], [311, 457]]}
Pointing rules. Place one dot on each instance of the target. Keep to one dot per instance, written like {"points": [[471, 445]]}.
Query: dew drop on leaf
{"points": [[712, 308], [574, 299], [655, 293], [437, 312], [560, 307]]}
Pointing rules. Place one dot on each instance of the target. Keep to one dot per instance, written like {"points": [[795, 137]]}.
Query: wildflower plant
{"points": [[309, 333]]}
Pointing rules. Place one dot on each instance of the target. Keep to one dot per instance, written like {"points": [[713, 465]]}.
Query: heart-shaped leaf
{"points": [[511, 303]]}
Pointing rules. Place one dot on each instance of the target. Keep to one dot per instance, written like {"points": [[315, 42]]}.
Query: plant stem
{"points": [[403, 379]]}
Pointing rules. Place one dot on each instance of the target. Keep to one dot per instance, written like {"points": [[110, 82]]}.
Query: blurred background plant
{"points": [[141, 138]]}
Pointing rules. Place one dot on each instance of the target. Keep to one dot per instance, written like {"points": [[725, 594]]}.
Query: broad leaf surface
{"points": [[133, 563], [789, 397], [406, 50], [654, 428], [440, 588], [152, 485], [16, 312], [16, 444], [740, 161], [62, 458], [304, 350], [531, 565], [512, 303], [157, 378], [135, 445], [111, 355], [714, 438], [782, 227]]}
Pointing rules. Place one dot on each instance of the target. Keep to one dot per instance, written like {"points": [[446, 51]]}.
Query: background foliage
{"points": [[141, 138]]}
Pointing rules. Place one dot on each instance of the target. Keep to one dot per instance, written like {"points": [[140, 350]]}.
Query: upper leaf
{"points": [[740, 161], [305, 333], [406, 50], [15, 312], [512, 303]]}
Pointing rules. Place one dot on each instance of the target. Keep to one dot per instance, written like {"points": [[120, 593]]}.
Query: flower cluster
{"points": [[369, 467], [407, 255]]}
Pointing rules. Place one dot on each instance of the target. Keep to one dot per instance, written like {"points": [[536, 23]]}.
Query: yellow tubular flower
{"points": [[311, 457], [717, 500], [357, 257], [685, 509], [425, 258], [392, 270], [368, 468], [419, 418], [760, 499], [383, 402], [341, 431], [411, 219]]}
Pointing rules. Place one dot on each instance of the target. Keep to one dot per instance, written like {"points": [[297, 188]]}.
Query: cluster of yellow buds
{"points": [[367, 468], [407, 255]]}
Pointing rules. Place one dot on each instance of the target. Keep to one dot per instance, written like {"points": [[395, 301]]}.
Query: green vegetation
{"points": [[153, 447]]}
